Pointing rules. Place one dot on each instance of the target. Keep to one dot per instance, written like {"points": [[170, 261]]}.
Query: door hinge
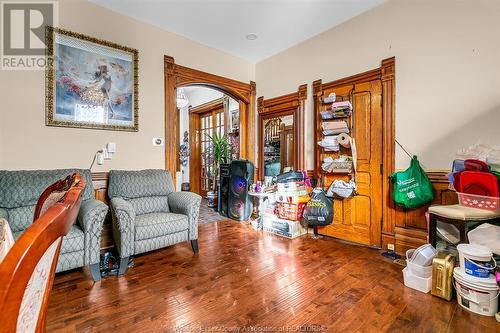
{"points": [[381, 168]]}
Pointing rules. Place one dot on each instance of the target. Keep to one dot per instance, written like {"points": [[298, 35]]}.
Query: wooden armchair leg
{"points": [[194, 245]]}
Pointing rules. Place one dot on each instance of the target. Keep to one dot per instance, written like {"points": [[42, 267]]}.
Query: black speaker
{"points": [[223, 195], [240, 204]]}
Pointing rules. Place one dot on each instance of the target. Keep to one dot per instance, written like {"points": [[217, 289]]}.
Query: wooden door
{"points": [[204, 125], [287, 146], [359, 219]]}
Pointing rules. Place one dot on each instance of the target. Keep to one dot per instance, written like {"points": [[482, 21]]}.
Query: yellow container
{"points": [[442, 275]]}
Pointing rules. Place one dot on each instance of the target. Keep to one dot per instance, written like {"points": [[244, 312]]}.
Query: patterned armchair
{"points": [[148, 214], [19, 192]]}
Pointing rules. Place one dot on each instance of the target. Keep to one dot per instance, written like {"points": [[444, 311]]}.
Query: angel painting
{"points": [[94, 85]]}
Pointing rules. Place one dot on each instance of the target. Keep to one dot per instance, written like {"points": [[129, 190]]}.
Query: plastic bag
{"points": [[412, 188], [342, 189], [319, 210]]}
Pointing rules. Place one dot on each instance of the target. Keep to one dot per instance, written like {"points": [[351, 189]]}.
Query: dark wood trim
{"points": [[178, 76], [209, 106], [387, 75], [289, 104], [374, 74]]}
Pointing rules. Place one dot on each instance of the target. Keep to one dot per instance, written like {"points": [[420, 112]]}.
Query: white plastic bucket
{"points": [[475, 260], [476, 295]]}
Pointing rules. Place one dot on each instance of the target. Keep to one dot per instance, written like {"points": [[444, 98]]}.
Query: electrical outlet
{"points": [[158, 142], [390, 247]]}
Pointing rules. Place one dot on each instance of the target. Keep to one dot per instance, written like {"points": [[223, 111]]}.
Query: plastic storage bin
{"points": [[418, 283], [415, 269], [423, 255], [478, 201]]}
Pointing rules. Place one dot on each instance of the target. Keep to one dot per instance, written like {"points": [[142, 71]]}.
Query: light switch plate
{"points": [[158, 142]]}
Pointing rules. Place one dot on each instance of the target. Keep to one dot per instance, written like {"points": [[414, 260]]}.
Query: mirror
{"points": [[278, 151]]}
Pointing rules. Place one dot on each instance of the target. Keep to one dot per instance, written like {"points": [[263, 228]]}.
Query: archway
{"points": [[177, 76]]}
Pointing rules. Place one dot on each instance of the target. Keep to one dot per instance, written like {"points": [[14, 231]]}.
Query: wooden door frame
{"points": [[289, 104], [176, 76], [386, 74], [194, 160]]}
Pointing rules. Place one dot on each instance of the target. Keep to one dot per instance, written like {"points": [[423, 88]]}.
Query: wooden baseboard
{"points": [[409, 238]]}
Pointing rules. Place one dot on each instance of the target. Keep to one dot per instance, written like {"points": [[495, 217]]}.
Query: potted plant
{"points": [[220, 152]]}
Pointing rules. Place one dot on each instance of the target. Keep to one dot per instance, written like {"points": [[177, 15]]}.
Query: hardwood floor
{"points": [[243, 278]]}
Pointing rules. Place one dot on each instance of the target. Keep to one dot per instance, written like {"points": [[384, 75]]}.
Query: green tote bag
{"points": [[412, 188]]}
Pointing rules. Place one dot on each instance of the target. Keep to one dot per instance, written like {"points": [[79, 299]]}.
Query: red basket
{"points": [[478, 201]]}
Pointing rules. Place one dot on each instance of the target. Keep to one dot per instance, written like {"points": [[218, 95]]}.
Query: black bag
{"points": [[319, 210], [290, 176]]}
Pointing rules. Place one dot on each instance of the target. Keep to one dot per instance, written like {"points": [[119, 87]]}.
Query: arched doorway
{"points": [[177, 76]]}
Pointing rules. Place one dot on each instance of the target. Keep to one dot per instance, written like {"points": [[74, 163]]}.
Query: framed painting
{"points": [[90, 83]]}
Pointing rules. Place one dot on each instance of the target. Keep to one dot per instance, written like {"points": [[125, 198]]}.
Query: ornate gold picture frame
{"points": [[90, 83]]}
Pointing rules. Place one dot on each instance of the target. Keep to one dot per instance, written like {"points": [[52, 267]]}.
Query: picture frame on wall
{"points": [[90, 83], [234, 118]]}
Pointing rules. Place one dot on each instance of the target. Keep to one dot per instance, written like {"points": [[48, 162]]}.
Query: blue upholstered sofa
{"points": [[148, 214], [19, 193]]}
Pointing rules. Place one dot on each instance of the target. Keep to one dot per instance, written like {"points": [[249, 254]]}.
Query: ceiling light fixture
{"points": [[251, 36], [182, 100]]}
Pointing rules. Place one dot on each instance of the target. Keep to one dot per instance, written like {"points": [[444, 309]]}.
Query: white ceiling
{"points": [[223, 24], [198, 95]]}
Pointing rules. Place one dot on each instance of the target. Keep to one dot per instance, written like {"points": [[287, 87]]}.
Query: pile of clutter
{"points": [[476, 278], [475, 176], [284, 209]]}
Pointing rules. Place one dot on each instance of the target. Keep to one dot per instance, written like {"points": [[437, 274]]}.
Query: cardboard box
{"points": [[281, 227]]}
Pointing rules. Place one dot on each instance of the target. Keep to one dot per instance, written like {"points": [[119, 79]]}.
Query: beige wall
{"points": [[447, 71], [447, 78], [25, 141]]}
